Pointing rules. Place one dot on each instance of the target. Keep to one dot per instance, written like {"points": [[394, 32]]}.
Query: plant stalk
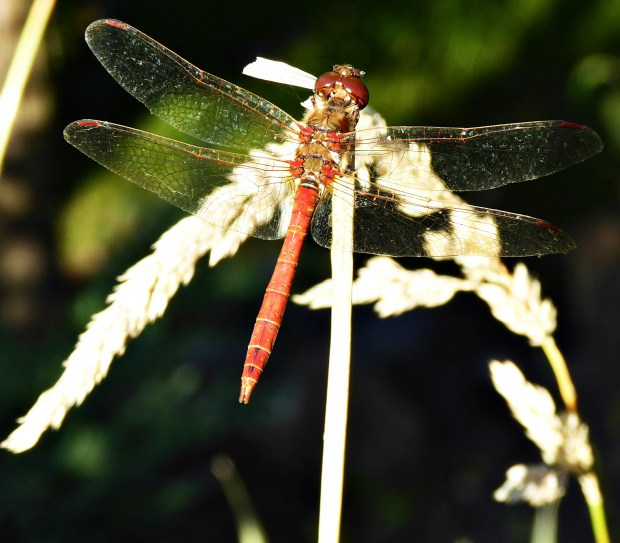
{"points": [[334, 438]]}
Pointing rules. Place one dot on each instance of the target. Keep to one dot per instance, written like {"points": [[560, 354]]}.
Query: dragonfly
{"points": [[265, 174]]}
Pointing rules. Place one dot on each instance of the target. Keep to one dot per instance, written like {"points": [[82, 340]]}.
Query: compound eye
{"points": [[325, 81], [357, 89]]}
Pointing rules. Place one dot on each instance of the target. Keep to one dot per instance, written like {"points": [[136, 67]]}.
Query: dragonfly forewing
{"points": [[478, 158], [187, 98]]}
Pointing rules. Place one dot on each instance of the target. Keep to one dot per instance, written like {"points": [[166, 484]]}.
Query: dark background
{"points": [[429, 440]]}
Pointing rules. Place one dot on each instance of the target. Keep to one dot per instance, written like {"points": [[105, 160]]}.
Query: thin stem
{"points": [[589, 482], [558, 365], [336, 408], [249, 528], [594, 499], [545, 528], [21, 66]]}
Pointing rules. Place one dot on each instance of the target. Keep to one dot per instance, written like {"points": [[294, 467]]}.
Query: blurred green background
{"points": [[429, 440]]}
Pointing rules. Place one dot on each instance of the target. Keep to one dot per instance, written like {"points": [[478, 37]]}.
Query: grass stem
{"points": [[334, 438], [20, 68]]}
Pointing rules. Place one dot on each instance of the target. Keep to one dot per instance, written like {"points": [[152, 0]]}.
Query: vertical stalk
{"points": [[334, 438], [594, 499]]}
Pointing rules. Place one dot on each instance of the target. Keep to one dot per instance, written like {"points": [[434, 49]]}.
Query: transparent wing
{"points": [[385, 225], [476, 158], [187, 98], [246, 193]]}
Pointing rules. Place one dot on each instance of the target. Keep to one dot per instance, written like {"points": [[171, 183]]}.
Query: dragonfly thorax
{"points": [[325, 139], [335, 118]]}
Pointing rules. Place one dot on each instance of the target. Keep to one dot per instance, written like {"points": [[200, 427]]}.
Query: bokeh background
{"points": [[429, 440]]}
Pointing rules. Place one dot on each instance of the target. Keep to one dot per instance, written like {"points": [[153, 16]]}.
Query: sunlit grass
{"points": [[21, 65]]}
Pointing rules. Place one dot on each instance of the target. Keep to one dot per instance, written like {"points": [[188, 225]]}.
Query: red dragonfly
{"points": [[280, 175]]}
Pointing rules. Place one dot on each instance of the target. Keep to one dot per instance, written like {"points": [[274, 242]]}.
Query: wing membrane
{"points": [[383, 225], [189, 99], [477, 158], [245, 193]]}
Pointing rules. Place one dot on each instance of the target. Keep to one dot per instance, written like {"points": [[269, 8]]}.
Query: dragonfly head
{"points": [[344, 82]]}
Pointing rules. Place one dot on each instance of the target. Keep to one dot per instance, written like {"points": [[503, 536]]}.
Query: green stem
{"points": [[594, 499]]}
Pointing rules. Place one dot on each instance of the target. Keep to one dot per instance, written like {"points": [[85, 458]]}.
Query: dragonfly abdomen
{"points": [[314, 167], [279, 289]]}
